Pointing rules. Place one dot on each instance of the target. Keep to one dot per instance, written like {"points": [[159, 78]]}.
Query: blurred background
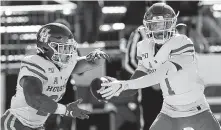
{"points": [[107, 25]]}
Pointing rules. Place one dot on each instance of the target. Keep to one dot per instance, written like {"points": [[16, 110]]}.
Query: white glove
{"points": [[112, 89]]}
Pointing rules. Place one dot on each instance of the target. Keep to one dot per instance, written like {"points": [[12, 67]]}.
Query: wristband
{"points": [[61, 109]]}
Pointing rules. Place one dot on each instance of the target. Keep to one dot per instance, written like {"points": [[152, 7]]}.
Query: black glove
{"points": [[97, 54], [73, 110]]}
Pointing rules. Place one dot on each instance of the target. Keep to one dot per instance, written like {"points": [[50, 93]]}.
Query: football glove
{"points": [[72, 110], [95, 87], [96, 54], [112, 88]]}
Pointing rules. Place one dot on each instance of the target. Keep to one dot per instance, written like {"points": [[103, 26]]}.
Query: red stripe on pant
{"points": [[8, 121]]}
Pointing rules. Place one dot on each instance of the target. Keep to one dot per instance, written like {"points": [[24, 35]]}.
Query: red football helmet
{"points": [[56, 42], [160, 22]]}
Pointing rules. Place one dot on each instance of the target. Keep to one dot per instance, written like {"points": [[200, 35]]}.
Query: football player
{"points": [[43, 77], [175, 68]]}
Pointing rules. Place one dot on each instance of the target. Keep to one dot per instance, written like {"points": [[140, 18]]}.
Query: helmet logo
{"points": [[44, 35]]}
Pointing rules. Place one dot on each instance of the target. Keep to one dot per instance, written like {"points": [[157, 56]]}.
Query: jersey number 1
{"points": [[170, 91]]}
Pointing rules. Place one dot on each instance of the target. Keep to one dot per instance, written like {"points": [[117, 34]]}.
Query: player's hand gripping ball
{"points": [[96, 85]]}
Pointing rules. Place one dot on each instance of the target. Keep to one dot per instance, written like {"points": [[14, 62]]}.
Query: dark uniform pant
{"points": [[201, 121], [10, 122]]}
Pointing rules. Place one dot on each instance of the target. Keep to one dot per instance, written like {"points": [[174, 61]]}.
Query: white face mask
{"points": [[64, 54], [160, 29]]}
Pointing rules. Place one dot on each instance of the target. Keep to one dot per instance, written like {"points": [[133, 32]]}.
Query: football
{"points": [[96, 85]]}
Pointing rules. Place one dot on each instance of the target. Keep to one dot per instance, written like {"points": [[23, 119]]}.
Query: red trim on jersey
{"points": [[181, 48], [34, 65], [10, 117], [188, 51], [178, 67], [36, 72]]}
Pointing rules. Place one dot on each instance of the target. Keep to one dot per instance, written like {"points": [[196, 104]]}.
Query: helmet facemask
{"points": [[160, 29], [64, 54]]}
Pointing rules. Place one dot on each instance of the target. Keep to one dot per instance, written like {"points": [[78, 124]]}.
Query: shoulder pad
{"points": [[181, 44], [35, 62], [33, 65]]}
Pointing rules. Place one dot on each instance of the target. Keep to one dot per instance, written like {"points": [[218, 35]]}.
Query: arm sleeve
{"points": [[151, 79], [137, 74]]}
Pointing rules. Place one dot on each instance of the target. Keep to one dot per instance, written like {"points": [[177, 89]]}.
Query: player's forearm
{"points": [[148, 80], [143, 82], [137, 74], [45, 104], [83, 65]]}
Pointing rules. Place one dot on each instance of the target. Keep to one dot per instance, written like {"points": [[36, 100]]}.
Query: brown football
{"points": [[96, 85]]}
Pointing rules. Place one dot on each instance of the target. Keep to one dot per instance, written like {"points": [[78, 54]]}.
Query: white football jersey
{"points": [[54, 86], [185, 86]]}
